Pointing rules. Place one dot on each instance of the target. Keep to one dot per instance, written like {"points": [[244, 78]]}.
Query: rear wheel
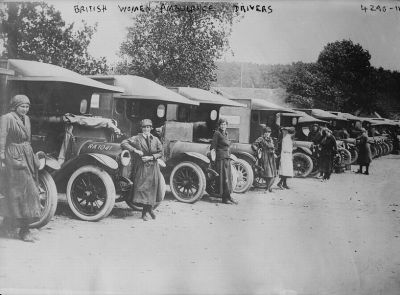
{"points": [[245, 176], [302, 165], [90, 193], [346, 156], [47, 198], [187, 182], [354, 155]]}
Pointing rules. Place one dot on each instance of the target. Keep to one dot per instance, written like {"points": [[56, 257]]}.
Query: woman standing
{"points": [[328, 152], [267, 160], [220, 147], [149, 185], [364, 152], [286, 161], [22, 205]]}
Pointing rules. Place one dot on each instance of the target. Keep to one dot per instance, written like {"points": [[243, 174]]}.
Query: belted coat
{"points": [[149, 184], [19, 181]]}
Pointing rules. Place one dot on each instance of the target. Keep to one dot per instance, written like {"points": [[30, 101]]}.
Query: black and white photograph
{"points": [[220, 147]]}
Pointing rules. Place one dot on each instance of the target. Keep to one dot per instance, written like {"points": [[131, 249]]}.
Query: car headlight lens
{"points": [[125, 158], [42, 159]]}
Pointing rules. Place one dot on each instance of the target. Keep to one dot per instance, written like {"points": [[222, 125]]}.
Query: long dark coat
{"points": [[147, 178], [267, 161], [20, 188], [221, 144], [327, 153], [364, 150]]}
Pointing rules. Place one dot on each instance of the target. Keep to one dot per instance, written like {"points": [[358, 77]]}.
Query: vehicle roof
{"points": [[206, 97], [263, 105], [27, 70], [306, 118], [321, 114], [347, 116], [136, 87]]}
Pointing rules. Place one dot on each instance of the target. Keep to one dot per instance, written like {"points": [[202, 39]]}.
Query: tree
{"points": [[347, 66], [174, 46], [36, 31]]}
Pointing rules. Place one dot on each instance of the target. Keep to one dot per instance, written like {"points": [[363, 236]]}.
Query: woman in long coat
{"points": [[364, 152], [220, 147], [267, 160], [149, 185], [21, 205], [286, 161], [327, 154]]}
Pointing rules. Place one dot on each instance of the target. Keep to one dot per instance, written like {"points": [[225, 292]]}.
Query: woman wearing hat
{"points": [[220, 147], [267, 157], [286, 161], [149, 185], [21, 205], [364, 152], [327, 154]]}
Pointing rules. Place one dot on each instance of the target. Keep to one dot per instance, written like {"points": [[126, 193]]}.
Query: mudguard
{"points": [[198, 156], [233, 157], [305, 150], [105, 160], [246, 156]]}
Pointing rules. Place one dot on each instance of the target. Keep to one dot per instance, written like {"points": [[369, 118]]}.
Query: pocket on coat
{"points": [[16, 162]]}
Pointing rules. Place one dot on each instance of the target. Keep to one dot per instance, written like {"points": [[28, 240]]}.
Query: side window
{"points": [[84, 106], [95, 101], [119, 106], [133, 109], [254, 117], [161, 111], [183, 113]]}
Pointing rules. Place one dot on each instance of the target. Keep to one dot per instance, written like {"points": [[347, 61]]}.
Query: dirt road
{"points": [[338, 237]]}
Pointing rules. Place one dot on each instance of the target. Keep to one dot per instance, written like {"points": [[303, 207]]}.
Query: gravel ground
{"points": [[336, 237]]}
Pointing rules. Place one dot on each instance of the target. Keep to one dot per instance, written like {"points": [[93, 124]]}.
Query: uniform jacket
{"points": [[221, 144]]}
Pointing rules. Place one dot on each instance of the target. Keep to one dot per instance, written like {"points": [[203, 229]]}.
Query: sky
{"points": [[293, 31]]}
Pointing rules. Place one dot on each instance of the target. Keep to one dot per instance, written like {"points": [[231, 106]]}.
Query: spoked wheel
{"points": [[187, 182], [302, 165], [346, 156], [386, 148], [373, 151], [245, 176], [337, 160], [354, 155], [90, 193], [47, 198]]}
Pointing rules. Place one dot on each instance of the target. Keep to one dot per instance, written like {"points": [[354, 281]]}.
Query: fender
{"points": [[233, 157], [246, 156], [305, 150], [198, 156], [62, 176]]}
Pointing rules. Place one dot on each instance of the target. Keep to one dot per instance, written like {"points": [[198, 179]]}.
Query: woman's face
{"points": [[223, 126], [267, 134], [146, 130], [22, 109]]}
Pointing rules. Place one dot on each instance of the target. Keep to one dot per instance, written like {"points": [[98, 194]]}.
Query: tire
{"points": [[337, 160], [346, 156], [48, 199], [211, 188], [373, 151], [354, 156], [184, 177], [302, 165], [91, 185], [138, 207], [386, 148], [245, 176]]}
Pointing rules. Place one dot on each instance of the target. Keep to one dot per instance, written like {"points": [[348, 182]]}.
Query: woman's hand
{"points": [[139, 152], [147, 158]]}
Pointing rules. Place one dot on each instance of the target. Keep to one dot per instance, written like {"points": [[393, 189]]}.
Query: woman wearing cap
{"points": [[149, 185], [286, 161], [21, 205], [267, 160], [364, 152], [220, 147], [328, 152]]}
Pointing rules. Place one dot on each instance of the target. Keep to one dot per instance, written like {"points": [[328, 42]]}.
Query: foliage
{"points": [[175, 47], [36, 31]]}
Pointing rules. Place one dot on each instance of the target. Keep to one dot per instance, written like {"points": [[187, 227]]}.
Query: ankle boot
{"points": [[151, 212], [144, 212]]}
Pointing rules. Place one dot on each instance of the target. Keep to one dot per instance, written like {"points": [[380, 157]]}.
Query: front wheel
{"points": [[346, 156], [90, 193], [187, 182], [245, 176], [47, 199], [302, 165]]}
